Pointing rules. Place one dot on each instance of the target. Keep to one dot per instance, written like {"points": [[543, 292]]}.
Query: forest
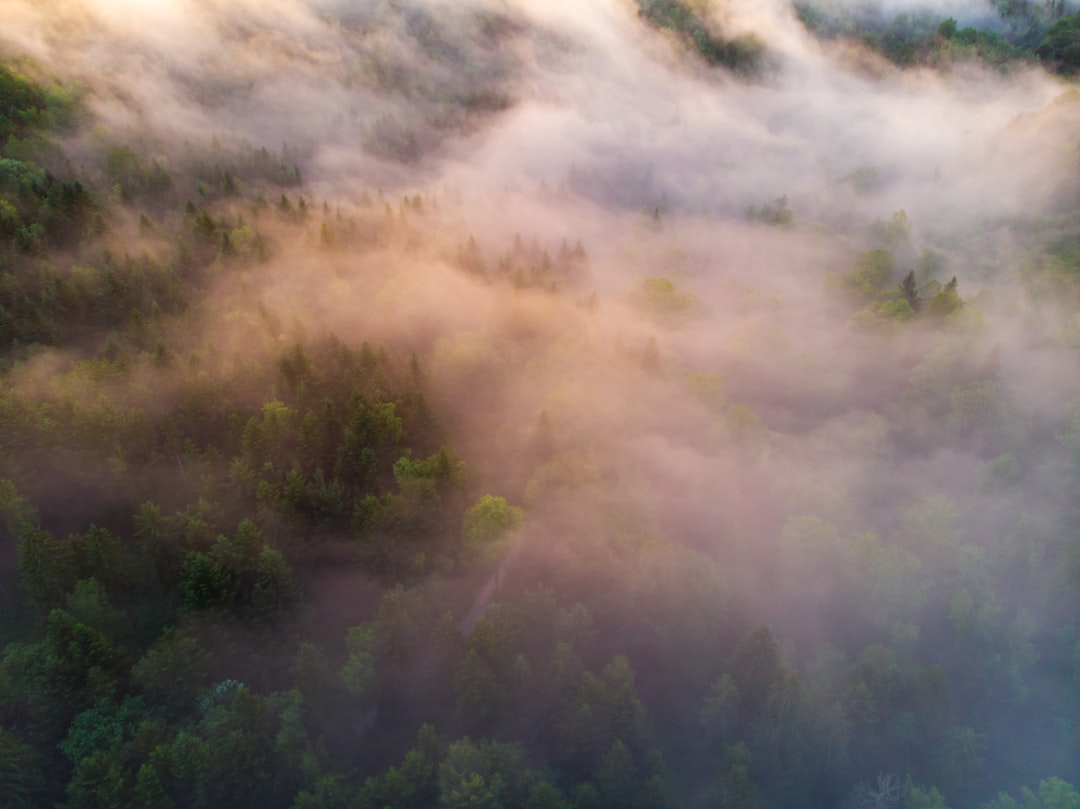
{"points": [[540, 404]]}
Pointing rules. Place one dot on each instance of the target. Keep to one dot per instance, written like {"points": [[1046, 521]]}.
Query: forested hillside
{"points": [[539, 405], [1003, 34]]}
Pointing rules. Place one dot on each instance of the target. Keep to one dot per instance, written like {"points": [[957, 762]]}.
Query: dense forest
{"points": [[540, 405], [1017, 32]]}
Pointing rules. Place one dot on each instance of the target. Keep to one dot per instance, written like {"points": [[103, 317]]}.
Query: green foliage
{"points": [[390, 139], [26, 105], [100, 729], [1053, 793], [909, 39], [864, 179], [488, 774], [910, 293], [754, 666], [665, 302], [16, 512], [897, 231], [414, 783], [872, 272], [204, 582], [896, 309], [370, 435], [735, 785], [488, 524], [22, 783], [875, 270], [777, 213], [46, 566], [1060, 49], [691, 23], [358, 675], [917, 798], [719, 712], [946, 302], [172, 670], [919, 39], [603, 709]]}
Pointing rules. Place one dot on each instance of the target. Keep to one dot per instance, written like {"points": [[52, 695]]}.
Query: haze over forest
{"points": [[540, 404]]}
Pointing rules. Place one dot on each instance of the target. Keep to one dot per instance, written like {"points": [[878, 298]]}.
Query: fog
{"points": [[752, 417]]}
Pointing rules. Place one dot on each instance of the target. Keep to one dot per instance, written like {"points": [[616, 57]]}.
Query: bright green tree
{"points": [[488, 525]]}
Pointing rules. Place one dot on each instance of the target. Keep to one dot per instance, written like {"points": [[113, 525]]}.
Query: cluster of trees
{"points": [[774, 213], [663, 301], [885, 292], [455, 71], [1061, 47], [692, 24], [1023, 32], [334, 448], [1025, 22], [37, 208], [529, 266], [873, 281]]}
